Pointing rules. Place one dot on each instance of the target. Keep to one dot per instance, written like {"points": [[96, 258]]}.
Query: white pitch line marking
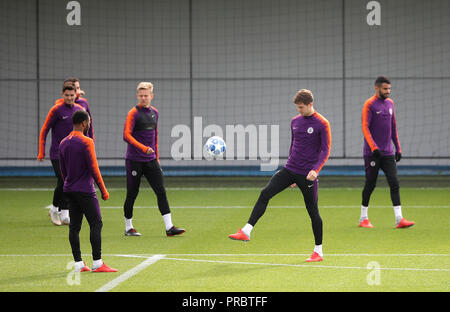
{"points": [[150, 259], [278, 207], [275, 207], [130, 273], [302, 265], [295, 255], [146, 256]]}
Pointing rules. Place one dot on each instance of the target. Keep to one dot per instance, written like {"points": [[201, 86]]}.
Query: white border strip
{"points": [[130, 273]]}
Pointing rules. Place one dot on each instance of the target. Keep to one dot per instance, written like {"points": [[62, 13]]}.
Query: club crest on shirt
{"points": [[372, 164], [310, 130], [390, 111], [133, 173]]}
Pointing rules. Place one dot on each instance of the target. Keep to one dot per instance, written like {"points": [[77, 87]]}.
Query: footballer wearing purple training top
{"points": [[142, 158], [59, 120], [62, 216], [379, 128], [81, 100], [79, 170], [310, 149]]}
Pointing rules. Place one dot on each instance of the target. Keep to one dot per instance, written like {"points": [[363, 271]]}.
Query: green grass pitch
{"points": [[35, 255]]}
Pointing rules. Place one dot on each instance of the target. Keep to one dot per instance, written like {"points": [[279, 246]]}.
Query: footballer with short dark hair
{"points": [[81, 100], [310, 149], [59, 121], [379, 127], [79, 170]]}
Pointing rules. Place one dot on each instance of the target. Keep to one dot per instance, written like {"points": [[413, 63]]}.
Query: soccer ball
{"points": [[215, 146]]}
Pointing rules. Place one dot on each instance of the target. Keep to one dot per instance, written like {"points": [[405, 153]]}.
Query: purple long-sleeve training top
{"points": [[379, 126], [310, 143], [141, 132], [78, 164]]}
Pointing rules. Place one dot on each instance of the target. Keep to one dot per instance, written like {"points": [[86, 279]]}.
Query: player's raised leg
{"points": [[279, 181]]}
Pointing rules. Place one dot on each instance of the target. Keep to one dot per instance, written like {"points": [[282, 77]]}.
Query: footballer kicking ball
{"points": [[215, 146]]}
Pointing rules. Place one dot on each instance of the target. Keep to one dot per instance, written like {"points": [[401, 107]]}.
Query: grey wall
{"points": [[231, 62]]}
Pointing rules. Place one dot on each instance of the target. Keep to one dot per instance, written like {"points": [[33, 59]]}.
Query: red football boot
{"points": [[403, 223], [365, 224], [104, 268], [315, 257], [239, 236]]}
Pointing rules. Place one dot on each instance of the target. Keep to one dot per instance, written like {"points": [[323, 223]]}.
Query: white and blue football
{"points": [[215, 146]]}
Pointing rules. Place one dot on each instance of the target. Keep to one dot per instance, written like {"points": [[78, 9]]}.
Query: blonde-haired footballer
{"points": [[142, 158]]}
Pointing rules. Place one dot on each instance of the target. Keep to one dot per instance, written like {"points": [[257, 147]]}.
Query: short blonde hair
{"points": [[145, 86]]}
